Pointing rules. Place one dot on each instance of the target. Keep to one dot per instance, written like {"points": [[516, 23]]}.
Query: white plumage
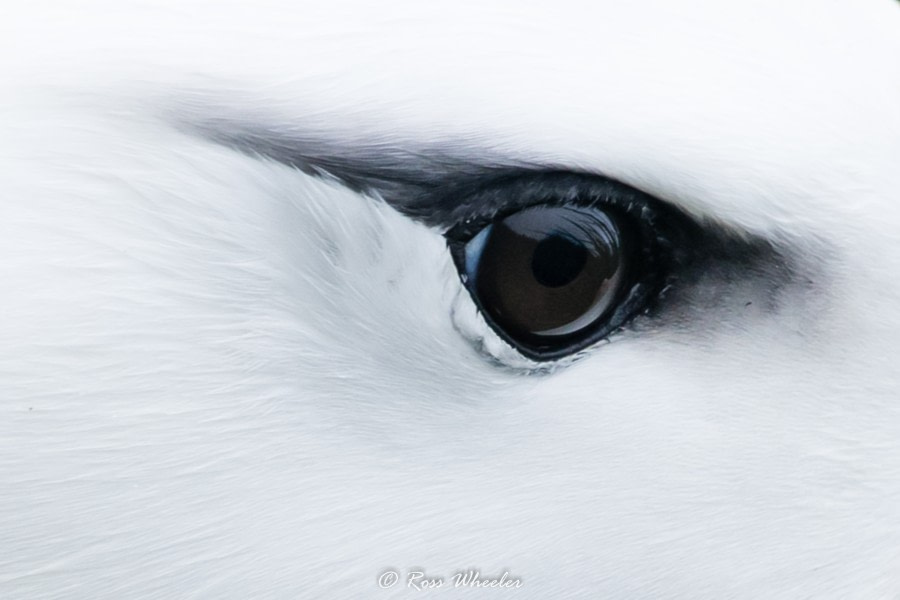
{"points": [[222, 377]]}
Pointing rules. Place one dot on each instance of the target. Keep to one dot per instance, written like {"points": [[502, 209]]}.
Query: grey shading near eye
{"points": [[443, 185]]}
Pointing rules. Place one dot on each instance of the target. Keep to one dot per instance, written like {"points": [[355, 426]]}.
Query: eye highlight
{"points": [[568, 261]]}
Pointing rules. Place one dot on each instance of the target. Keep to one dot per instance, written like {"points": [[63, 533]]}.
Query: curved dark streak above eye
{"points": [[421, 185]]}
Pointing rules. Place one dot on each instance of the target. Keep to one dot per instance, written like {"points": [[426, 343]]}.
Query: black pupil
{"points": [[557, 260]]}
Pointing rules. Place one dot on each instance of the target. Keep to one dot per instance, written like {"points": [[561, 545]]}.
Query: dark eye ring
{"points": [[564, 259]]}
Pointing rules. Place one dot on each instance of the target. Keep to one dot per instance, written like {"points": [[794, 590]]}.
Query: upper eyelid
{"points": [[471, 205]]}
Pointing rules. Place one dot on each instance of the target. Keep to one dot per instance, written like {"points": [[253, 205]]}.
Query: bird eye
{"points": [[558, 272], [548, 272]]}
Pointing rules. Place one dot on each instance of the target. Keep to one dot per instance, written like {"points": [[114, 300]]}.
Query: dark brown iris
{"points": [[549, 271]]}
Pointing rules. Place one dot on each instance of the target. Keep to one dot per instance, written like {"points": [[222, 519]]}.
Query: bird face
{"points": [[340, 300]]}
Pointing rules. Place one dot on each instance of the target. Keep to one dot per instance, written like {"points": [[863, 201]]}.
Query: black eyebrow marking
{"points": [[430, 185]]}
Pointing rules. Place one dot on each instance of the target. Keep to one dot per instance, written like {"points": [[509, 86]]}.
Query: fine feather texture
{"points": [[228, 372]]}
